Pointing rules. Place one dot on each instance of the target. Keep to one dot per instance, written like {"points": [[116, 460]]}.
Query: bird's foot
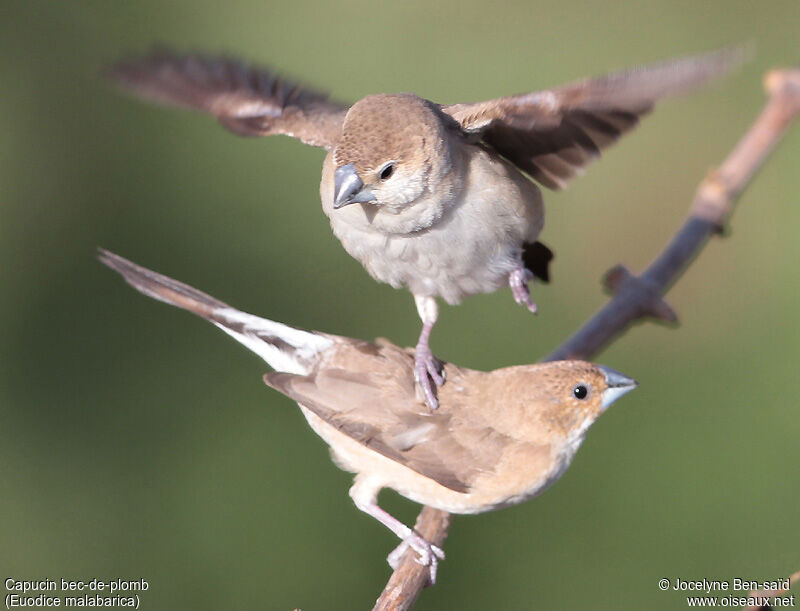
{"points": [[428, 373], [429, 554], [518, 281]]}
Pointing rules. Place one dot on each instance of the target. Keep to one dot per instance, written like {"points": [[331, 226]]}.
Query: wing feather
{"points": [[364, 408], [554, 134], [247, 100]]}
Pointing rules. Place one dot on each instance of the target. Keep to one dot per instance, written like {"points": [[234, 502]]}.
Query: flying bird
{"points": [[440, 199], [497, 439]]}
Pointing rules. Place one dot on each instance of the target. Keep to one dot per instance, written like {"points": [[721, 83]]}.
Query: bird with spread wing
{"points": [[440, 199]]}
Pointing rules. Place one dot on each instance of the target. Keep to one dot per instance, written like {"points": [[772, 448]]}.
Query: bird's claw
{"points": [[518, 281], [428, 372], [428, 554]]}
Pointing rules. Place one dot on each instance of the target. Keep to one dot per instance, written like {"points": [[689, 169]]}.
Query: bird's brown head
{"points": [[563, 397], [392, 147]]}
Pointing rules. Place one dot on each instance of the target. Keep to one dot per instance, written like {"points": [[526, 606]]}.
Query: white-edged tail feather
{"points": [[284, 348]]}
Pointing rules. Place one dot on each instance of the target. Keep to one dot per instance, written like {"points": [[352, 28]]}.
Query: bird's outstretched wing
{"points": [[247, 100], [554, 134]]}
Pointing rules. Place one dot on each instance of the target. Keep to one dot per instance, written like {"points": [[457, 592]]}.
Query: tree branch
{"points": [[636, 298], [409, 578]]}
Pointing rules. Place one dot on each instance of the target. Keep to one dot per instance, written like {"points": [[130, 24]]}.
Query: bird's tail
{"points": [[284, 348]]}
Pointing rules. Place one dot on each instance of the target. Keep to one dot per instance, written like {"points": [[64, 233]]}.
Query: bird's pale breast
{"points": [[471, 248]]}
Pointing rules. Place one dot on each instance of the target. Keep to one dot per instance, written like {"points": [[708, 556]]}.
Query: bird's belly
{"points": [[495, 491], [436, 262]]}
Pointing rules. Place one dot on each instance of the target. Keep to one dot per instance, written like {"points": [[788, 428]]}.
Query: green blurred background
{"points": [[139, 442]]}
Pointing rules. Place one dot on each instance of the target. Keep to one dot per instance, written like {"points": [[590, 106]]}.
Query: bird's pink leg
{"points": [[427, 368], [364, 494], [518, 281]]}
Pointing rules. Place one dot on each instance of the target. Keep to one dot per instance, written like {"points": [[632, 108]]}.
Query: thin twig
{"points": [[640, 297], [636, 298]]}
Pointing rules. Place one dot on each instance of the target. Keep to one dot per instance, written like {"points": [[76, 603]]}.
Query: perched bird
{"points": [[498, 438], [435, 198]]}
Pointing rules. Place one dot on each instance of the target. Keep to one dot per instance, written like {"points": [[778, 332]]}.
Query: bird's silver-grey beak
{"points": [[617, 383], [348, 188]]}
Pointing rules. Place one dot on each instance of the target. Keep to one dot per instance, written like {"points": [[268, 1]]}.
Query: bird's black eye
{"points": [[386, 171], [580, 391]]}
